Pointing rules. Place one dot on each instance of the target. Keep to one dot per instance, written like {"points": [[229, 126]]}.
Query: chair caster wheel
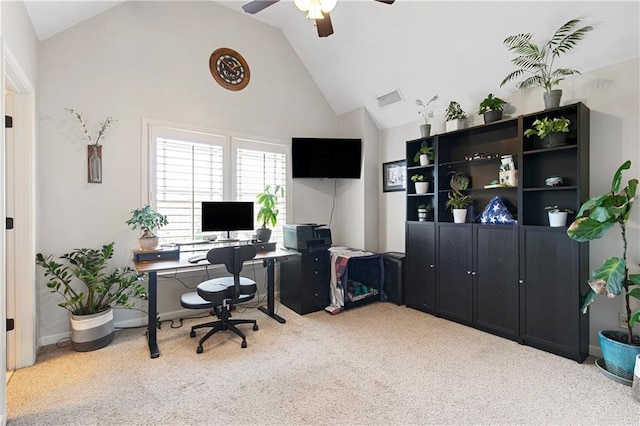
{"points": [[244, 344], [255, 327], [199, 350], [193, 333]]}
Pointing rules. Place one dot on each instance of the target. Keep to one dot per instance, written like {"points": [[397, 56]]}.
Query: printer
{"points": [[306, 236]]}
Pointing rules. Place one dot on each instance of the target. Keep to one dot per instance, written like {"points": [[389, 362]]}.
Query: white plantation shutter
{"points": [[187, 173], [255, 169]]}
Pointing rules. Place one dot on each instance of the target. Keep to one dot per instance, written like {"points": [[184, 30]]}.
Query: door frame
{"points": [[22, 261]]}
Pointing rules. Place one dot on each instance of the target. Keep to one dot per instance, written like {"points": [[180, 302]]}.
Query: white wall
{"points": [[613, 95], [150, 59], [20, 37]]}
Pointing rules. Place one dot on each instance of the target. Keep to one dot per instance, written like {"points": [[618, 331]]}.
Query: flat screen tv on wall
{"points": [[326, 158]]}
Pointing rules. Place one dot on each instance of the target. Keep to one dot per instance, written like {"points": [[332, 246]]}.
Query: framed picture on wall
{"points": [[394, 176]]}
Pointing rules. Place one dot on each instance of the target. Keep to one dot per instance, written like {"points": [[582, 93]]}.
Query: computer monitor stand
{"points": [[228, 238]]}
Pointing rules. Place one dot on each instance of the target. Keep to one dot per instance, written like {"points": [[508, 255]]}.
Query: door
{"points": [[550, 316], [420, 272], [454, 271], [495, 276]]}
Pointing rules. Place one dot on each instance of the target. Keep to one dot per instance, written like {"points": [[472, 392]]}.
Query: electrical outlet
{"points": [[622, 320]]}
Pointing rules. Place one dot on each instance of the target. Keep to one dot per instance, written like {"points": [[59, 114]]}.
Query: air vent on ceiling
{"points": [[389, 98]]}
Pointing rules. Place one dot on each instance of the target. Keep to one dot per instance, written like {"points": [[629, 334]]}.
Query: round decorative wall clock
{"points": [[229, 69]]}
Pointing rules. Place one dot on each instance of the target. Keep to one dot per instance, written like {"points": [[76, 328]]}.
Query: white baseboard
{"points": [[595, 351]]}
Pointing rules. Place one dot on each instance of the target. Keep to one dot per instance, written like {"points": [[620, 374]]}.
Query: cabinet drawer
{"points": [[316, 266]]}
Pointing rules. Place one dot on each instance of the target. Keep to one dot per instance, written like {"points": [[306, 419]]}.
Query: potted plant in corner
{"points": [[421, 184], [147, 220], [424, 211], [538, 60], [424, 155], [458, 202], [491, 108], [426, 113], [268, 213], [557, 216], [91, 306], [596, 216], [455, 117], [552, 132]]}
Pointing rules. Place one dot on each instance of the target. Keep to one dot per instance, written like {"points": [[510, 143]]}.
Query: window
{"points": [[256, 168], [188, 167]]}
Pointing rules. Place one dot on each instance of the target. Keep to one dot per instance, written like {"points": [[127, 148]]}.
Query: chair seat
{"points": [[191, 300], [218, 289]]}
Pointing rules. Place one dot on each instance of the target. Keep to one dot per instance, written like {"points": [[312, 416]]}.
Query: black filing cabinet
{"points": [[394, 276], [304, 281]]}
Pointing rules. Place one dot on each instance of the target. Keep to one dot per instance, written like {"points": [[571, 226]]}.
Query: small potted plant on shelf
{"points": [[268, 213], [424, 154], [491, 108], [552, 132], [424, 210], [595, 217], [455, 117], [458, 202], [91, 305], [421, 184], [538, 60], [426, 113], [557, 216], [147, 220]]}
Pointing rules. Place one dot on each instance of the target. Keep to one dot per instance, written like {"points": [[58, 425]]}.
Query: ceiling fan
{"points": [[317, 10]]}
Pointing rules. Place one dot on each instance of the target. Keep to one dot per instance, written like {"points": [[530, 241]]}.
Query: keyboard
{"points": [[197, 258]]}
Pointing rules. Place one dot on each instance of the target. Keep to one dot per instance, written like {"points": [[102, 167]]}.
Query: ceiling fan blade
{"points": [[325, 29], [386, 1], [257, 5]]}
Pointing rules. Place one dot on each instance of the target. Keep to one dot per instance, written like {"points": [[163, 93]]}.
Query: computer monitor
{"points": [[227, 216]]}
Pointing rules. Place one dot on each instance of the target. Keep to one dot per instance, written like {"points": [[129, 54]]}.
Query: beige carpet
{"points": [[376, 364]]}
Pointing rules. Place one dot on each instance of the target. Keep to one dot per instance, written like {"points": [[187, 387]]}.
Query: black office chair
{"points": [[220, 294]]}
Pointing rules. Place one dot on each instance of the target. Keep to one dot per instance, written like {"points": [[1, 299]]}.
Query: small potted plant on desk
{"points": [[552, 132], [455, 117], [147, 220], [91, 306], [421, 184], [491, 108], [458, 202], [558, 216], [596, 216], [268, 213], [424, 155]]}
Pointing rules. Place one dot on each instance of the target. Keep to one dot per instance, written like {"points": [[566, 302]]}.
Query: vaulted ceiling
{"points": [[453, 49]]}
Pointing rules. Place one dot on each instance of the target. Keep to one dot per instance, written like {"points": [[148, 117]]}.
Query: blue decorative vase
{"points": [[619, 358]]}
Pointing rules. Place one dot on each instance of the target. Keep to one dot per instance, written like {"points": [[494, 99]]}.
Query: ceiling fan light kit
{"points": [[315, 8], [318, 10]]}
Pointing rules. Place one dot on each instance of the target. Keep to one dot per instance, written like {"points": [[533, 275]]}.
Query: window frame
{"points": [[230, 141]]}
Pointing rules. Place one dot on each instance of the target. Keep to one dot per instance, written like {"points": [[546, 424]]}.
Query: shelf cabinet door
{"points": [[454, 271], [420, 276], [550, 317], [495, 273]]}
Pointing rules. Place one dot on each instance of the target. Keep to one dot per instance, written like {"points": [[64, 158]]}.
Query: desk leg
{"points": [[270, 310], [153, 308]]}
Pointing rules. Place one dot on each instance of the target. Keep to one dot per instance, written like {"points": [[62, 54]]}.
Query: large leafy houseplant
{"points": [[596, 216], [99, 290], [538, 60]]}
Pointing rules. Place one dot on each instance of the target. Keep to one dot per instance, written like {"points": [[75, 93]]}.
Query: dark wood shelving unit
{"points": [[523, 281]]}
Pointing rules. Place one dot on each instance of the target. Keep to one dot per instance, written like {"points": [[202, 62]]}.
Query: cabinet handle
{"points": [[474, 273], [432, 266], [468, 272], [520, 281]]}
